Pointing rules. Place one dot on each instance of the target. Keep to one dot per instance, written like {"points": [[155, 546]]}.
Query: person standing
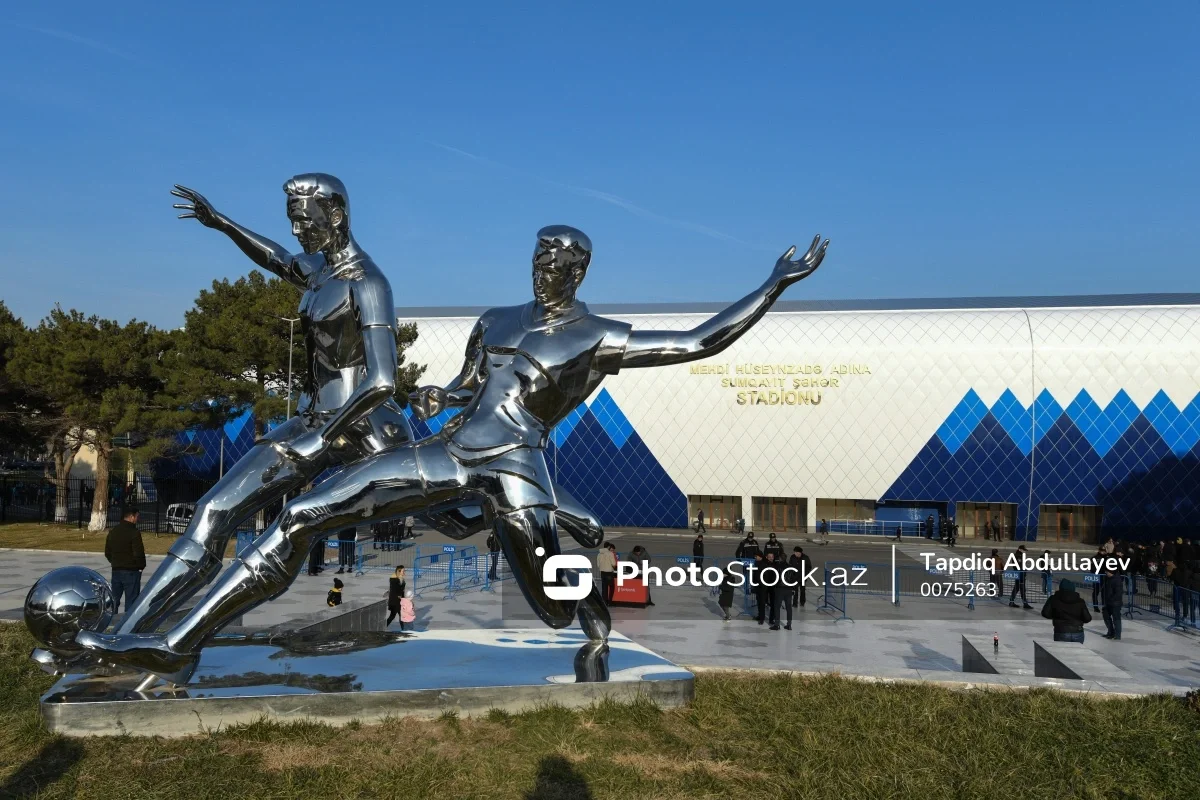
{"points": [[1181, 576], [408, 612], [779, 593], [347, 542], [1194, 591], [1152, 569], [759, 588], [127, 556], [639, 555], [997, 572], [929, 527], [748, 547], [698, 550], [1019, 584], [606, 564], [1100, 556], [725, 596], [409, 522], [700, 522], [770, 579], [493, 546], [802, 563], [1113, 594], [316, 558], [397, 590], [1047, 576], [1066, 609], [773, 547]]}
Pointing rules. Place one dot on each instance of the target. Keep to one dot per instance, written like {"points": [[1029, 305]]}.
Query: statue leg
{"points": [[594, 618], [387, 485], [522, 534], [258, 479]]}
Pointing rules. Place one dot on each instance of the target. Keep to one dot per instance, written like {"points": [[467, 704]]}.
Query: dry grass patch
{"points": [[744, 736], [657, 767]]}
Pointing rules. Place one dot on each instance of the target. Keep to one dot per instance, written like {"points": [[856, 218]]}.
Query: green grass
{"points": [[743, 737]]}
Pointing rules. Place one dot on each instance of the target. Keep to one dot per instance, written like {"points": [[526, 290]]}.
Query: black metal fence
{"points": [[165, 504]]}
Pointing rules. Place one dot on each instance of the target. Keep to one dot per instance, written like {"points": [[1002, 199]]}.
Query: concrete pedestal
{"points": [[340, 677]]}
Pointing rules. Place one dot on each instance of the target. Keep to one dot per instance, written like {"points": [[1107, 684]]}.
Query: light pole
{"points": [[291, 333]]}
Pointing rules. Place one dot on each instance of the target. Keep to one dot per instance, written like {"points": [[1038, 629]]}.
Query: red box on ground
{"points": [[630, 592]]}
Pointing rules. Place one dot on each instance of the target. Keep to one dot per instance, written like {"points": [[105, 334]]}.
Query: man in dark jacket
{"points": [[1019, 585], [698, 550], [1113, 593], [802, 563], [748, 547], [493, 546], [1194, 586], [773, 546], [1182, 578], [347, 537], [1100, 556], [759, 588], [778, 593], [1066, 609], [124, 551]]}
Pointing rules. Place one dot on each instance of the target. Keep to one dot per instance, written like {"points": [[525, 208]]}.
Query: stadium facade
{"points": [[1058, 418]]}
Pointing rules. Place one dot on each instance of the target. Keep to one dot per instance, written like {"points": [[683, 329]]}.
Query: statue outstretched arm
{"points": [[429, 401], [657, 348], [261, 250]]}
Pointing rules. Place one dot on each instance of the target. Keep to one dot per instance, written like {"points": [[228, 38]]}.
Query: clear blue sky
{"points": [[947, 149]]}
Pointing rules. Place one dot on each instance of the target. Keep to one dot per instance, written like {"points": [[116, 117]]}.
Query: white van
{"points": [[179, 515]]}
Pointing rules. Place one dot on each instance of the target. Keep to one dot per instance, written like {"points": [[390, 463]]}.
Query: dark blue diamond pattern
{"points": [[1143, 469], [622, 486]]}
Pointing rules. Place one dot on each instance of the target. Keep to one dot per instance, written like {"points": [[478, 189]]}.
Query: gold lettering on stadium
{"points": [[780, 384]]}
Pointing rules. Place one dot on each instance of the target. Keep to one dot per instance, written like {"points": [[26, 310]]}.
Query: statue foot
{"points": [[591, 663], [63, 663], [143, 652]]}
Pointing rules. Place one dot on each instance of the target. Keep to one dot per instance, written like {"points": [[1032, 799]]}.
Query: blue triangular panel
{"points": [[962, 420], [1046, 412], [1015, 420]]}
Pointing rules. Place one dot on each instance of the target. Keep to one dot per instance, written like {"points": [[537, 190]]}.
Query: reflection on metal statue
{"points": [[526, 368], [346, 412]]}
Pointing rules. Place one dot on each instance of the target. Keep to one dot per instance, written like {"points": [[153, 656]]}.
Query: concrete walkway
{"points": [[918, 640]]}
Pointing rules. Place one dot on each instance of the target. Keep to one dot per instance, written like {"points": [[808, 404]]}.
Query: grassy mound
{"points": [[769, 737]]}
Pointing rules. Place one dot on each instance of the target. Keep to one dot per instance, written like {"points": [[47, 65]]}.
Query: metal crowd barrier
{"points": [[834, 598], [388, 557], [874, 527], [1186, 604], [1163, 598], [453, 569], [494, 575], [333, 549]]}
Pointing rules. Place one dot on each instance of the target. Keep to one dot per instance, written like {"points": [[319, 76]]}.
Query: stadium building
{"points": [[1057, 418]]}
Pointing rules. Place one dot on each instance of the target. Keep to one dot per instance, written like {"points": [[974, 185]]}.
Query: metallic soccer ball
{"points": [[65, 601]]}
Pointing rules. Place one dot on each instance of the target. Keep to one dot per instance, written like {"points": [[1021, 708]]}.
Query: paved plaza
{"points": [[919, 639]]}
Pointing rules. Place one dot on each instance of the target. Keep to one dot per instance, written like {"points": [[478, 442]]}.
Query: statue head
{"points": [[319, 208], [560, 261]]}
